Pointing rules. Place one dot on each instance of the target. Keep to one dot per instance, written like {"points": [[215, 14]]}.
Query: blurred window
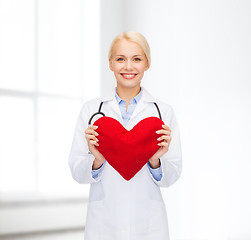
{"points": [[48, 63]]}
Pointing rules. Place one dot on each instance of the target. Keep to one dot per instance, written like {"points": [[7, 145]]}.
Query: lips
{"points": [[128, 75]]}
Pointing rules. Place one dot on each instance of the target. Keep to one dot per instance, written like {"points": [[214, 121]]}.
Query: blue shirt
{"points": [[126, 115]]}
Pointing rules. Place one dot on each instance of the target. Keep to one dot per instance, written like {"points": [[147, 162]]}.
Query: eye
{"points": [[120, 59], [137, 59]]}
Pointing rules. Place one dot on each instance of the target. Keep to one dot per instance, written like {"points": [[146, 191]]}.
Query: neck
{"points": [[127, 93]]}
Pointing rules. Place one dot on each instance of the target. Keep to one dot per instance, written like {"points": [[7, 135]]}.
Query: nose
{"points": [[129, 65]]}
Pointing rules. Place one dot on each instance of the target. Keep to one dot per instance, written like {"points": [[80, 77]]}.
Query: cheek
{"points": [[116, 67], [142, 68], [117, 70]]}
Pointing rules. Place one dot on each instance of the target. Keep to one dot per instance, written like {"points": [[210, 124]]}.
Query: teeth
{"points": [[129, 75]]}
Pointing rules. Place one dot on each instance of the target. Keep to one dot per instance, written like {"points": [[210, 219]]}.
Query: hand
{"points": [[164, 145], [91, 137]]}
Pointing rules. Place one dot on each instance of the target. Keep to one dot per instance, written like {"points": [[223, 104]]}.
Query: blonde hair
{"points": [[133, 37]]}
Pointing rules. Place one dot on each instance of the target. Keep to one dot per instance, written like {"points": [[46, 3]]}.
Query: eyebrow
{"points": [[124, 55]]}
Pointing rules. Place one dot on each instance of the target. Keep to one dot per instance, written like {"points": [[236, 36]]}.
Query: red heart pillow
{"points": [[128, 151]]}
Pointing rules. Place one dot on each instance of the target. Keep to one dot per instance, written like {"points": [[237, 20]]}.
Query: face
{"points": [[128, 63]]}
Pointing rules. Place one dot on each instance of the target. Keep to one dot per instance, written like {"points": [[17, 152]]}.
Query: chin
{"points": [[129, 85]]}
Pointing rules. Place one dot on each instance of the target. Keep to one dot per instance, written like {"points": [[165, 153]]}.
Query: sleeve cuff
{"points": [[156, 172], [96, 172]]}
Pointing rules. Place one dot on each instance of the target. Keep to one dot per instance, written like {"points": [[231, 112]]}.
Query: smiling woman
{"points": [[129, 58], [118, 199], [127, 65]]}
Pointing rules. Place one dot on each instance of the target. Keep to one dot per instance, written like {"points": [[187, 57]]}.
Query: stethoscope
{"points": [[99, 112]]}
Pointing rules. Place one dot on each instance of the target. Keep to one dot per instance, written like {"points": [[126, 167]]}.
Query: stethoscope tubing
{"points": [[99, 112]]}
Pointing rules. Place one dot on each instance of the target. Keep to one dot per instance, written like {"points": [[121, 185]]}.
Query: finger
{"points": [[166, 127], [94, 143], [93, 127], [91, 131], [91, 137], [88, 131], [163, 144], [164, 137], [162, 131]]}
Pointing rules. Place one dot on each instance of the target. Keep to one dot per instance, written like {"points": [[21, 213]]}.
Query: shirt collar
{"points": [[135, 99], [110, 95]]}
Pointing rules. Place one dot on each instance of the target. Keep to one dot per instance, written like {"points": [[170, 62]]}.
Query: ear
{"points": [[147, 66], [110, 64]]}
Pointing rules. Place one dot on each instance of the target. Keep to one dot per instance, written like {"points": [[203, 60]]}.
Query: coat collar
{"points": [[110, 98], [146, 96]]}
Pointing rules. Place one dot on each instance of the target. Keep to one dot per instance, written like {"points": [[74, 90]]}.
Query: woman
{"points": [[120, 209]]}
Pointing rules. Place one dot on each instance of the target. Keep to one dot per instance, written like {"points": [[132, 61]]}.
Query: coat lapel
{"points": [[111, 99], [141, 105]]}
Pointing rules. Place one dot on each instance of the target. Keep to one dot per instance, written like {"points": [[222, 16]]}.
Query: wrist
{"points": [[97, 164], [154, 163]]}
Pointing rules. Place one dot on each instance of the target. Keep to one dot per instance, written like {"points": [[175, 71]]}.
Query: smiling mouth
{"points": [[128, 75]]}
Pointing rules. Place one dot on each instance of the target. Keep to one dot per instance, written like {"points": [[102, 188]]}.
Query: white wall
{"points": [[111, 15], [213, 47], [201, 66]]}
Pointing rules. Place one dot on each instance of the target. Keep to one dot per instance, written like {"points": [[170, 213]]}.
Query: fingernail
{"points": [[97, 140], [95, 127], [157, 131], [96, 134], [97, 144], [158, 139]]}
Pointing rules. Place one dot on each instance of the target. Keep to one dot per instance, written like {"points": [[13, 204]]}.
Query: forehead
{"points": [[126, 48]]}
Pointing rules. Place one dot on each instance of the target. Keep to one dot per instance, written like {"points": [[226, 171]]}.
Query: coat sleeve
{"points": [[80, 159], [171, 161]]}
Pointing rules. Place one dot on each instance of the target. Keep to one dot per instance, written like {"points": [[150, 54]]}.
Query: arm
{"points": [[81, 160], [171, 161]]}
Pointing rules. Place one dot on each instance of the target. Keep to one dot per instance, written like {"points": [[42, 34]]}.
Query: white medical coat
{"points": [[120, 209]]}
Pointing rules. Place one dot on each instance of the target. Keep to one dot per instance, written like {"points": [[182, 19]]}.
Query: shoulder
{"points": [[93, 104], [164, 107], [90, 105], [87, 109], [167, 112]]}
